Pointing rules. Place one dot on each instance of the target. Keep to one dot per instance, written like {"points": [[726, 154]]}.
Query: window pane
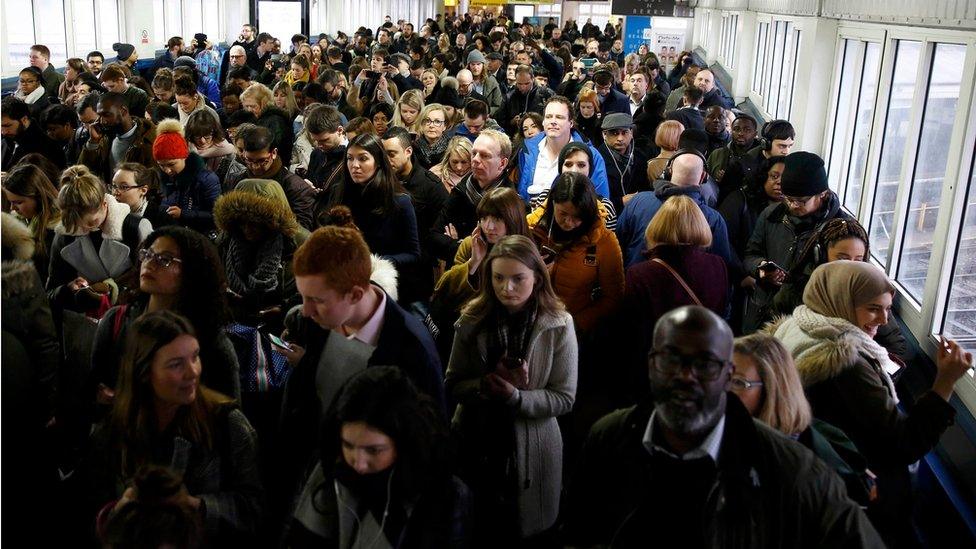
{"points": [[862, 127], [192, 18], [893, 147], [845, 99], [930, 166], [50, 29], [960, 321], [757, 69], [786, 81], [174, 19], [83, 17], [108, 23], [159, 31], [211, 21], [20, 31]]}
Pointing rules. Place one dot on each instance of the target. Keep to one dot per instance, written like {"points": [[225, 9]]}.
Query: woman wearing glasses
{"points": [[766, 381], [95, 243], [30, 90], [137, 186], [431, 144], [169, 256], [189, 189]]}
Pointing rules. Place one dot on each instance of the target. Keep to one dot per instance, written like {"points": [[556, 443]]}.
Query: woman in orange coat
{"points": [[584, 258]]}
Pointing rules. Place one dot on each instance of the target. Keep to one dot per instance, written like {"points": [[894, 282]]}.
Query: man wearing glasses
{"points": [[262, 162], [777, 251], [690, 467], [611, 99], [238, 58]]}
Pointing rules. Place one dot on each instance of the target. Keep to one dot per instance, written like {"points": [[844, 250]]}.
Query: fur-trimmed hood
{"points": [[236, 208], [16, 237], [384, 275], [18, 277], [111, 228], [824, 347]]}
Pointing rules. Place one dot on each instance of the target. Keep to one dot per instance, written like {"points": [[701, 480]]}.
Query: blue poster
{"points": [[637, 31]]}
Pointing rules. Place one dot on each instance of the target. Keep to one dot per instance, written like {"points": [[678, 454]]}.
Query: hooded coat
{"points": [[97, 155], [256, 270], [847, 386]]}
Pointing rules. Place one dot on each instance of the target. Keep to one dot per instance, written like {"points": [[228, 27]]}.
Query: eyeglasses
{"points": [[669, 363], [258, 161], [740, 384], [163, 261], [122, 188], [431, 122], [797, 200]]}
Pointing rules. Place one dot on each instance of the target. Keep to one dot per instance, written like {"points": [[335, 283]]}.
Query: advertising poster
{"points": [[667, 46], [637, 31]]}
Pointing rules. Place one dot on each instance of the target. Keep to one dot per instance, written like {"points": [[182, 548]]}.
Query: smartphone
{"points": [[511, 363], [278, 342], [372, 74], [548, 254], [770, 267]]}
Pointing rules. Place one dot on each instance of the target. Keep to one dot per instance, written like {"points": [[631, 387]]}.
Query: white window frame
{"points": [[589, 9], [6, 67], [763, 71], [926, 319], [728, 39]]}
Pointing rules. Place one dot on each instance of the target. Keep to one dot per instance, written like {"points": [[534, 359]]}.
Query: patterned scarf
{"points": [[253, 268], [431, 153], [511, 335]]}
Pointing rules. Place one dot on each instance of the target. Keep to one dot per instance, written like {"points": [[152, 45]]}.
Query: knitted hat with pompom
{"points": [[170, 144]]}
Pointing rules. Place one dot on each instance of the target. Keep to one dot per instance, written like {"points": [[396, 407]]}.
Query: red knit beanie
{"points": [[169, 144]]}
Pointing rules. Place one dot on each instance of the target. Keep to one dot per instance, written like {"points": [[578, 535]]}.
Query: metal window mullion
{"points": [[851, 123], [907, 173], [869, 184], [830, 137], [936, 287]]}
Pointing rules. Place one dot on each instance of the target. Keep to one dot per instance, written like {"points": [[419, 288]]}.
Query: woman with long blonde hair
{"points": [[284, 98], [407, 111], [455, 164]]}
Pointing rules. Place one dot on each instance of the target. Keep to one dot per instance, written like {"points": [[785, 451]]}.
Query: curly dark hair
{"points": [[204, 301]]}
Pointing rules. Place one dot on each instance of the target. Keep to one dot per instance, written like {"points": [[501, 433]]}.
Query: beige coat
{"points": [[552, 360]]}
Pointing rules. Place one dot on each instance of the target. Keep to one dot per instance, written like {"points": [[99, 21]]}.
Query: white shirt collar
{"points": [[709, 447]]}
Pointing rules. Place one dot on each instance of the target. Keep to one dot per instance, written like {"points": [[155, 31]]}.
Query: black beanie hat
{"points": [[803, 175], [124, 50], [449, 96]]}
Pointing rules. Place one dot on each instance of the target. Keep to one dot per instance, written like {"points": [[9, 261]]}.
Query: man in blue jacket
{"points": [[539, 157], [687, 174]]}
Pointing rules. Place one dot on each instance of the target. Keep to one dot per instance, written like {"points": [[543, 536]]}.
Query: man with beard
{"points": [[262, 161], [117, 137], [691, 468], [743, 139]]}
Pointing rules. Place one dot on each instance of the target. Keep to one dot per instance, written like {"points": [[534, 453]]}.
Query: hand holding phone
{"points": [[280, 343]]}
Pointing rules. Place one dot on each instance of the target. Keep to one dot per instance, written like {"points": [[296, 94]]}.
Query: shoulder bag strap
{"points": [[680, 280]]}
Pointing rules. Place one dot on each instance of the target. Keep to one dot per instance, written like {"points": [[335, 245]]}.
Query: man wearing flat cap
{"points": [[626, 164], [777, 252]]}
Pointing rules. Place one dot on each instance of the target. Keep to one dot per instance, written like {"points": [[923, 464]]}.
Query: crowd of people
{"points": [[387, 290]]}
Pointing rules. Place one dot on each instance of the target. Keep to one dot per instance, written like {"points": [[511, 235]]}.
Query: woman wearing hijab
{"points": [[847, 379]]}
